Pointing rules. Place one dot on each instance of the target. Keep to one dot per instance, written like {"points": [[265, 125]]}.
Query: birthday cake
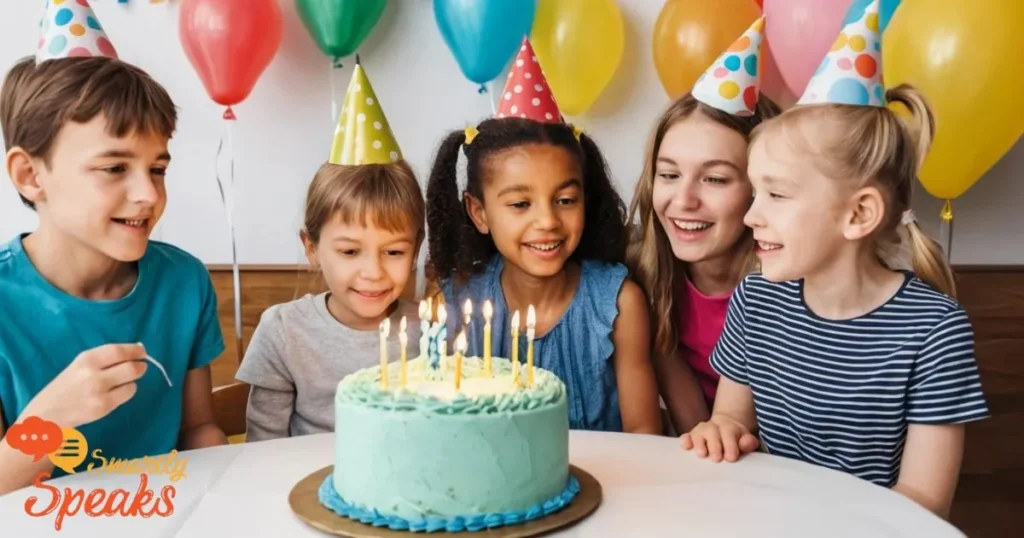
{"points": [[428, 457]]}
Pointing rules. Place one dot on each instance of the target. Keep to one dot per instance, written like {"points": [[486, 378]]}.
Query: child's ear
{"points": [[866, 215], [310, 249], [24, 173], [477, 213]]}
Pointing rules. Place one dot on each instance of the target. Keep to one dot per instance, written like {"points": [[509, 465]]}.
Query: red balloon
{"points": [[230, 43], [760, 3]]}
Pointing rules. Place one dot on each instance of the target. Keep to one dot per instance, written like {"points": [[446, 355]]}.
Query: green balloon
{"points": [[340, 26]]}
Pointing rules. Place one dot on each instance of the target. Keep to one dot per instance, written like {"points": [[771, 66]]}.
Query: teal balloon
{"points": [[484, 35], [339, 26], [886, 9]]}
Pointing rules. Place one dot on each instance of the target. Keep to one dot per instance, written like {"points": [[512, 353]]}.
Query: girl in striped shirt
{"points": [[832, 355]]}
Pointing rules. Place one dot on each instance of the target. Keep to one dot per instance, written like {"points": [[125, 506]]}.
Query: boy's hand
{"points": [[718, 437], [98, 381]]}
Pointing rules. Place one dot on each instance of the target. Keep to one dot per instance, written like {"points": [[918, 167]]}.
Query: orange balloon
{"points": [[690, 34]]}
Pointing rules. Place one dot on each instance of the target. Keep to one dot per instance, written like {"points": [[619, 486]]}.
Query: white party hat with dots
{"points": [[69, 28], [731, 83], [363, 135], [851, 73]]}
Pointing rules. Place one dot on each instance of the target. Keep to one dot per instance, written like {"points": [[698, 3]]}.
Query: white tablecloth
{"points": [[651, 488]]}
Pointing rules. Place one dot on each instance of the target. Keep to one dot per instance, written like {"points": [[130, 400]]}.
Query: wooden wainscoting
{"points": [[990, 498]]}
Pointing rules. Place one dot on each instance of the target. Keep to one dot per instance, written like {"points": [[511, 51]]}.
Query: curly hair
{"points": [[457, 249]]}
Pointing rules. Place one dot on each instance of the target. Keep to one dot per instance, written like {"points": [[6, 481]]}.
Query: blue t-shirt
{"points": [[172, 311], [841, 393], [578, 349]]}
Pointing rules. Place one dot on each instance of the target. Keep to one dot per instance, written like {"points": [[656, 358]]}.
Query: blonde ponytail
{"points": [[920, 128], [929, 262]]}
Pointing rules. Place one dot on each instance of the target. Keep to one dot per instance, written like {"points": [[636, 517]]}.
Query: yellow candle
{"points": [[404, 339], [385, 330], [515, 348], [460, 348], [531, 323], [488, 313]]}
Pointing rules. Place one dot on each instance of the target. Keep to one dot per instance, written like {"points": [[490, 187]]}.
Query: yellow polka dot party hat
{"points": [[851, 73], [363, 135], [732, 84], [69, 29]]}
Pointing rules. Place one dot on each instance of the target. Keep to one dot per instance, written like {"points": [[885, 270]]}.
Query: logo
{"points": [[67, 449]]}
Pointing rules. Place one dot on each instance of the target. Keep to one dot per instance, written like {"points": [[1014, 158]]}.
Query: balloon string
{"points": [[334, 94], [946, 230], [228, 199], [494, 107]]}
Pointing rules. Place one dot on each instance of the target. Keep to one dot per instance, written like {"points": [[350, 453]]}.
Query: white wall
{"points": [[284, 129]]}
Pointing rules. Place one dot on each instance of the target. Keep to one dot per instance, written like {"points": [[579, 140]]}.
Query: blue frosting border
{"points": [[330, 499]]}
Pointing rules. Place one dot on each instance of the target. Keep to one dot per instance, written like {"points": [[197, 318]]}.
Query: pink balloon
{"points": [[798, 33]]}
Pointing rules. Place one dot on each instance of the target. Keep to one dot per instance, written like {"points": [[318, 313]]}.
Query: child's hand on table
{"points": [[719, 437]]}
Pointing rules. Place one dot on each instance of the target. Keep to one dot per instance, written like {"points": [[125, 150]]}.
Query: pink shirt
{"points": [[701, 319]]}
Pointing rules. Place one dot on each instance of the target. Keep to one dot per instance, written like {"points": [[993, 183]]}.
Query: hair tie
{"points": [[471, 133], [577, 131], [908, 217]]}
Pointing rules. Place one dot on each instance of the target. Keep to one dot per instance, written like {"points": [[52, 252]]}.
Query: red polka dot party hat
{"points": [[527, 94], [851, 73], [731, 83], [69, 29]]}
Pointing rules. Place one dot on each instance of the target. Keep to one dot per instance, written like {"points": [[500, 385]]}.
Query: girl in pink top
{"points": [[691, 247]]}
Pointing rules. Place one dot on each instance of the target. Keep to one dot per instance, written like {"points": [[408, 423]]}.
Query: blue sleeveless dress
{"points": [[578, 349]]}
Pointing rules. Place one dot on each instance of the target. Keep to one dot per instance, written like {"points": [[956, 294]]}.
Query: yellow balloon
{"points": [[579, 44], [966, 57], [690, 34]]}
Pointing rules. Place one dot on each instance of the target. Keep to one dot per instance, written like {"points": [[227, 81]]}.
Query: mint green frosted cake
{"points": [[429, 458]]}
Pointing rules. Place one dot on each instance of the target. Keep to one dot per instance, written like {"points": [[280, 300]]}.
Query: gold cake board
{"points": [[305, 502]]}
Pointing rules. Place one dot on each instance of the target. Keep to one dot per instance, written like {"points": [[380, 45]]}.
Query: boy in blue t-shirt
{"points": [[87, 296]]}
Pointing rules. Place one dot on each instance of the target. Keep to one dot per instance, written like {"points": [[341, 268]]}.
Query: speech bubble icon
{"points": [[35, 437], [72, 451]]}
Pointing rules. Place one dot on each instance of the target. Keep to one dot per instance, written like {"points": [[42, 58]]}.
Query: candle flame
{"points": [[385, 327], [460, 343], [467, 312], [424, 309], [488, 311], [403, 325], [531, 317], [442, 314], [515, 321]]}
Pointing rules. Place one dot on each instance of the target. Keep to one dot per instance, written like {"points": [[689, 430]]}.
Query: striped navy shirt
{"points": [[841, 393]]}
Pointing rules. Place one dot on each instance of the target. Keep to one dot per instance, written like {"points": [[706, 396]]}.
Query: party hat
{"points": [[527, 94], [363, 135], [731, 83], [851, 73], [69, 29]]}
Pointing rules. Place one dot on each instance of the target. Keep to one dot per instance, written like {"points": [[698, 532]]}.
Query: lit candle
{"points": [[488, 313], [467, 315], [442, 333], [404, 339], [531, 322], [515, 348], [460, 348], [424, 327], [385, 330]]}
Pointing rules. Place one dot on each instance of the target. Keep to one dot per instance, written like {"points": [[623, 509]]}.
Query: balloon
{"points": [[230, 43], [886, 9], [760, 3], [579, 44], [483, 35], [690, 34], [966, 60], [339, 26], [798, 33]]}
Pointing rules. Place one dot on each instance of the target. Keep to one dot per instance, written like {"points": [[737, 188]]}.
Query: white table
{"points": [[651, 488]]}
